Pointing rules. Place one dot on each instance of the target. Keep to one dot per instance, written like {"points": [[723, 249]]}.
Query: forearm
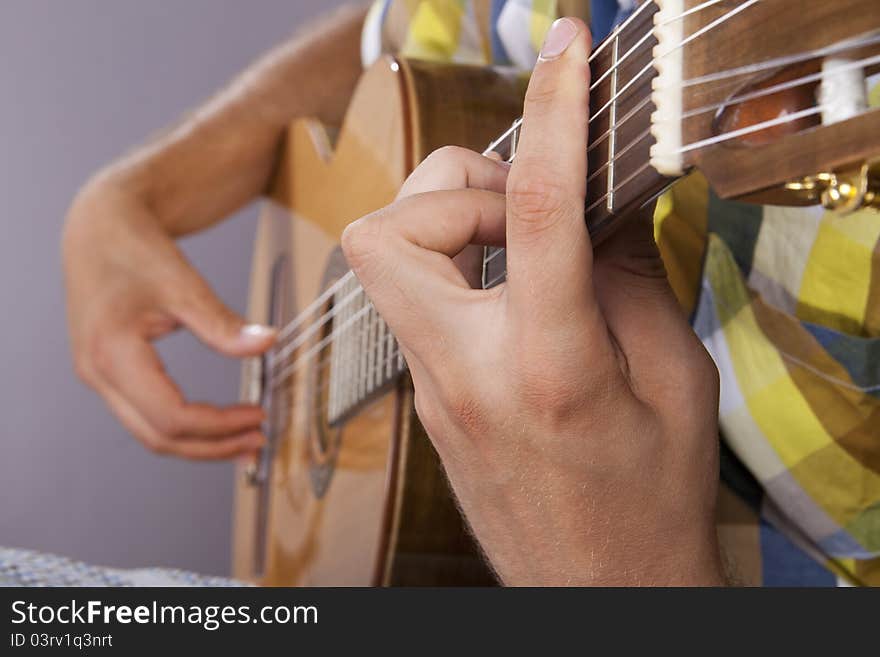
{"points": [[220, 157]]}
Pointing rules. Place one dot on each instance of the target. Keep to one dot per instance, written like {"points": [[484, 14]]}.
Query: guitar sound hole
{"points": [[324, 439]]}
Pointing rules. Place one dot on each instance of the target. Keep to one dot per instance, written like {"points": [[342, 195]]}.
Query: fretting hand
{"points": [[574, 410]]}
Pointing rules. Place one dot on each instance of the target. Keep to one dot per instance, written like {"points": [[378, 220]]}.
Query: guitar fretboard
{"points": [[620, 179]]}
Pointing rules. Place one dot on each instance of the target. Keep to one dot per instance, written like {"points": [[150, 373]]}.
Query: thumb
{"points": [[632, 253], [633, 291], [202, 312]]}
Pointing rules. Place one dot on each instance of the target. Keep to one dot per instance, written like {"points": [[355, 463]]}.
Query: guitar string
{"points": [[760, 93], [309, 311], [366, 378], [315, 326], [614, 34], [650, 65]]}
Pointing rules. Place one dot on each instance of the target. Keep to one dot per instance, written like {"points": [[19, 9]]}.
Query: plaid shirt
{"points": [[786, 300]]}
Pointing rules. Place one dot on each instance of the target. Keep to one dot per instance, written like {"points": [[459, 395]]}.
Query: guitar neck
{"points": [[620, 178]]}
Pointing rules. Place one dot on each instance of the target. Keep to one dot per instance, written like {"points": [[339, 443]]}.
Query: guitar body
{"points": [[365, 501]]}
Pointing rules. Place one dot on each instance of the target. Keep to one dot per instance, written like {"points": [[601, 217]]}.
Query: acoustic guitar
{"points": [[766, 97]]}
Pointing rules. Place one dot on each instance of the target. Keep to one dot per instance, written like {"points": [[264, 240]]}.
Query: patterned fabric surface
{"points": [[503, 32], [787, 301], [28, 568]]}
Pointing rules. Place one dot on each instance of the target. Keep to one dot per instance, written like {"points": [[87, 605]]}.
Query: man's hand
{"points": [[127, 285], [127, 282], [575, 411]]}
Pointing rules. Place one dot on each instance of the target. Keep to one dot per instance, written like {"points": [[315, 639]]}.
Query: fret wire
{"points": [[635, 142], [617, 64], [612, 138], [701, 32]]}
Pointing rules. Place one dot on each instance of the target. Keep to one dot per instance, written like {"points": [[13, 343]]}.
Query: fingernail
{"points": [[256, 333], [559, 37]]}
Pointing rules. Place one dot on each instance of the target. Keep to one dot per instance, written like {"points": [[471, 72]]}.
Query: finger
{"points": [[548, 248], [453, 167], [229, 447], [195, 305], [131, 366], [402, 254]]}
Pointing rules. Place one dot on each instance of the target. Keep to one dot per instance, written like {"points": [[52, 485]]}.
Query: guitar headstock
{"points": [[769, 98]]}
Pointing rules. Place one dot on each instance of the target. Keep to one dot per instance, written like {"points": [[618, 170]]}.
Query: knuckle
{"points": [[537, 202], [541, 96], [469, 411], [555, 391], [368, 249], [466, 412], [445, 157], [193, 294], [360, 241], [551, 399]]}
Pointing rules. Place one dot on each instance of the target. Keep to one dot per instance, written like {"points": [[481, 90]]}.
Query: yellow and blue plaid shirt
{"points": [[786, 300]]}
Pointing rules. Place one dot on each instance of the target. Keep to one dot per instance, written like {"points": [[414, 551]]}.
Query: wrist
{"points": [[678, 560], [689, 559]]}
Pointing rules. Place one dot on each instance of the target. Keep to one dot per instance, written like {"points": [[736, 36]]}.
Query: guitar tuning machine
{"points": [[842, 192]]}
